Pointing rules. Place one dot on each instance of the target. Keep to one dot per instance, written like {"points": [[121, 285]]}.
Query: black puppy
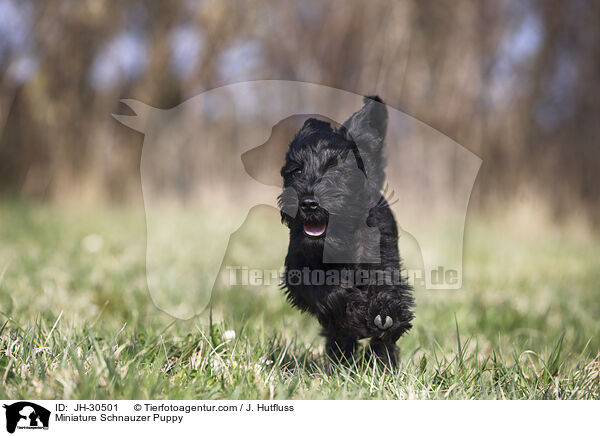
{"points": [[343, 264]]}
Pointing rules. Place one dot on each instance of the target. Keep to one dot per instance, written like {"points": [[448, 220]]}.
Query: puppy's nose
{"points": [[309, 204]]}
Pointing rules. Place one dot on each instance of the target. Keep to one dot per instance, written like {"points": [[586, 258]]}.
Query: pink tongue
{"points": [[314, 229]]}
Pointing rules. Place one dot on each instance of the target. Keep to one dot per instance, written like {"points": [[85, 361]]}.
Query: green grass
{"points": [[78, 322]]}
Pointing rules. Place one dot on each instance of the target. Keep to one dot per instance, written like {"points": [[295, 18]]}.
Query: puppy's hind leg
{"points": [[341, 349], [385, 352]]}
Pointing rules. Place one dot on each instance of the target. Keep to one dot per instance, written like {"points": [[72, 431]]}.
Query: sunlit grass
{"points": [[77, 321]]}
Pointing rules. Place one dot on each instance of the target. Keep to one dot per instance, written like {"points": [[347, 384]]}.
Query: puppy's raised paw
{"points": [[383, 325]]}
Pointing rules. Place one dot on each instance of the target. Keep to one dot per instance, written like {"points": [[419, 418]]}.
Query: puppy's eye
{"points": [[332, 166], [297, 172]]}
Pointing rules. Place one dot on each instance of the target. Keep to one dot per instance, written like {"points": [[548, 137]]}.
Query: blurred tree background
{"points": [[516, 82]]}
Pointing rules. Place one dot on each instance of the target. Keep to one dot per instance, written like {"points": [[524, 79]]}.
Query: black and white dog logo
{"points": [[26, 415]]}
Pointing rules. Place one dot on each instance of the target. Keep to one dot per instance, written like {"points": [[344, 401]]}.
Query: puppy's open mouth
{"points": [[315, 229]]}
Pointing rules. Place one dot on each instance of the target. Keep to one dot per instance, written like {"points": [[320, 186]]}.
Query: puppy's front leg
{"points": [[389, 314]]}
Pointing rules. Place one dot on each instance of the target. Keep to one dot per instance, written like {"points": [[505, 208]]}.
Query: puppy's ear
{"points": [[313, 125], [367, 127]]}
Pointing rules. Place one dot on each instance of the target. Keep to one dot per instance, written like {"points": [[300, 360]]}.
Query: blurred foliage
{"points": [[516, 82]]}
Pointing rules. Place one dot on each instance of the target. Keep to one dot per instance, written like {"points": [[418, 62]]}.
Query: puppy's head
{"points": [[334, 174]]}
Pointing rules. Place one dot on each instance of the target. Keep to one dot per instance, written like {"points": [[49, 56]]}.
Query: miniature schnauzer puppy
{"points": [[343, 264]]}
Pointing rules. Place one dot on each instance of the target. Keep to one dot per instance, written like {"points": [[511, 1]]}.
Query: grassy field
{"points": [[76, 321]]}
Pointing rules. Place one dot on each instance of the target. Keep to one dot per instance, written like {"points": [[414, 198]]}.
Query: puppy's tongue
{"points": [[315, 229]]}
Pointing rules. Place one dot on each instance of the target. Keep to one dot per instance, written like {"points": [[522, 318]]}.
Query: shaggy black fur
{"points": [[340, 222]]}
